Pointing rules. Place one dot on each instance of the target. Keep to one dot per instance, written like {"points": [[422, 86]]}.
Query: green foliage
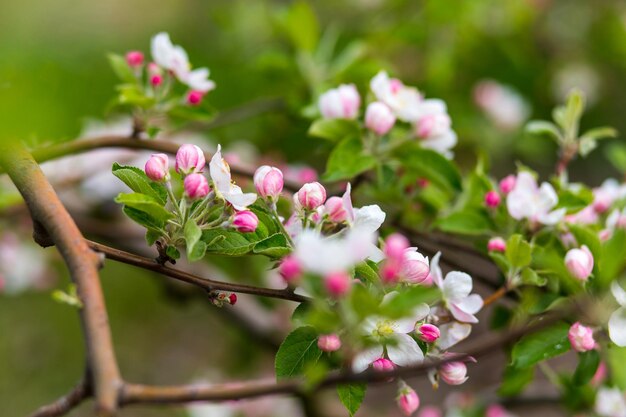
{"points": [[518, 252], [348, 160], [351, 396], [587, 366], [574, 201], [430, 165], [515, 380], [466, 222], [69, 298], [195, 246], [150, 206], [334, 129], [297, 351], [138, 181], [616, 359], [300, 24], [539, 346], [121, 68]]}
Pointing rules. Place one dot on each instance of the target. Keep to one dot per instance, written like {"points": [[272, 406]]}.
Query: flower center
{"points": [[384, 328]]}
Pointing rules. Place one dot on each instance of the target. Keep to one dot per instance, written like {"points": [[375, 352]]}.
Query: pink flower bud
{"points": [[154, 69], [134, 58], [245, 221], [379, 118], [496, 410], [423, 182], [157, 167], [290, 269], [432, 125], [196, 186], [232, 299], [268, 182], [415, 268], [430, 411], [189, 158], [579, 262], [329, 342], [492, 199], [600, 375], [340, 103], [311, 195], [581, 337], [395, 246], [507, 184], [428, 333], [156, 80], [307, 174], [336, 211], [496, 244], [390, 272], [337, 284], [408, 400], [383, 365], [453, 373], [194, 97]]}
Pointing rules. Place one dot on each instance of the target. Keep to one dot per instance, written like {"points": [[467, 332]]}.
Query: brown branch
{"points": [[63, 405], [48, 214], [495, 296], [204, 283]]}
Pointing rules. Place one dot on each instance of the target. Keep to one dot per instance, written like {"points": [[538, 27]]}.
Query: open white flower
{"points": [[434, 127], [402, 100], [223, 185], [452, 333], [527, 201], [456, 289], [198, 79], [617, 322], [169, 56], [610, 402], [392, 336]]}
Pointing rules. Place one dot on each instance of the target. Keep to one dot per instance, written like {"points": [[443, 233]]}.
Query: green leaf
{"points": [[300, 23], [275, 246], [616, 153], [198, 251], [152, 224], [334, 129], [587, 366], [297, 351], [515, 380], [232, 243], [530, 277], [539, 346], [347, 160], [172, 252], [574, 201], [586, 236], [145, 203], [518, 251], [613, 258], [151, 235], [351, 396], [367, 272], [466, 222], [431, 165], [617, 359], [404, 302], [192, 238], [543, 128], [138, 181], [133, 95], [121, 68]]}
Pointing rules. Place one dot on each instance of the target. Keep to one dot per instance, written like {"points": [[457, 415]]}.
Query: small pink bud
{"points": [[189, 158], [134, 58], [307, 174], [337, 284], [379, 118], [154, 69], [496, 410], [423, 182], [415, 268], [428, 333], [311, 195], [196, 186], [340, 103], [194, 97], [453, 373], [245, 221], [157, 167], [581, 337], [507, 184], [496, 244], [290, 269], [492, 199], [395, 246], [268, 182], [232, 299], [335, 209], [408, 400], [329, 342], [579, 262], [430, 411], [156, 80], [390, 272], [383, 365]]}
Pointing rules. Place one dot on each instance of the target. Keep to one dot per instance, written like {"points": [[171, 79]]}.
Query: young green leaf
{"points": [[334, 129], [138, 181], [121, 68], [587, 365], [347, 160], [297, 351], [466, 222], [351, 396], [539, 346], [518, 251], [515, 380], [192, 238], [145, 203]]}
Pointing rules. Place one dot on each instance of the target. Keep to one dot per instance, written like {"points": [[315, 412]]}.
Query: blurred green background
{"points": [[54, 74]]}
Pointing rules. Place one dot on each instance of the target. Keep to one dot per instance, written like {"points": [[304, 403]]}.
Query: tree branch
{"points": [[63, 405], [204, 283], [48, 214]]}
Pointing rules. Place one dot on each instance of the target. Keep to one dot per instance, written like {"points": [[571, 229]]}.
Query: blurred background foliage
{"points": [[54, 75]]}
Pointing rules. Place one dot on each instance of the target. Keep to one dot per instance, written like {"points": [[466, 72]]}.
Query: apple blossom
{"points": [[581, 337], [311, 195], [496, 244], [198, 80], [507, 184], [579, 262], [453, 373], [157, 167], [383, 365], [403, 101], [492, 199], [329, 342], [452, 333], [610, 402], [456, 288], [588, 215], [428, 333], [335, 210], [245, 221], [156, 80], [224, 188], [414, 266], [196, 186], [433, 127], [189, 159], [379, 118], [134, 58], [408, 400], [395, 246], [617, 321], [169, 56], [527, 201], [337, 284], [503, 105], [340, 103], [605, 195], [268, 182], [290, 269], [194, 97]]}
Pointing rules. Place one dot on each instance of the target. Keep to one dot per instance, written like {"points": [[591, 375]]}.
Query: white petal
{"points": [[406, 351], [220, 172], [368, 218], [619, 293], [453, 333], [547, 197], [617, 327], [363, 359], [519, 204], [553, 217], [347, 203], [461, 315], [472, 304], [456, 286], [435, 270], [240, 201]]}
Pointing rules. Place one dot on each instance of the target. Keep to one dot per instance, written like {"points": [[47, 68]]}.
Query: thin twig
{"points": [[66, 403], [51, 218], [204, 283]]}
